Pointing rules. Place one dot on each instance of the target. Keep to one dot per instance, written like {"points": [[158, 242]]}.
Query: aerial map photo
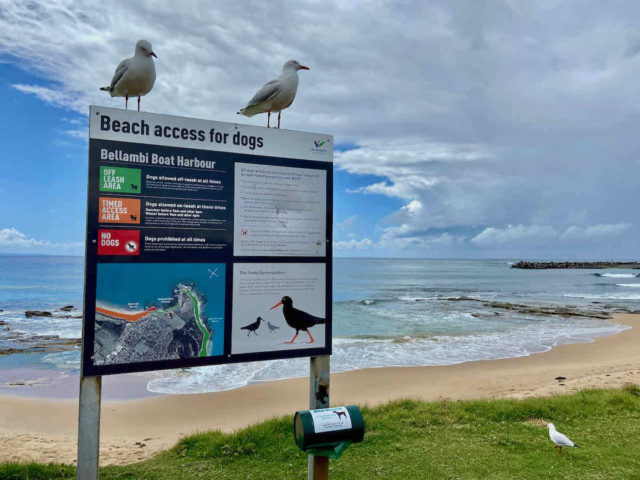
{"points": [[153, 312]]}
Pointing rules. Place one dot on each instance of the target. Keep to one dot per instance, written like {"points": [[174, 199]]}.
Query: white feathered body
{"points": [[134, 76], [558, 438], [137, 80], [274, 96]]}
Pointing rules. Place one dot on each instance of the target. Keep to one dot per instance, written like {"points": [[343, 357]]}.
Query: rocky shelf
{"points": [[598, 310], [595, 265]]}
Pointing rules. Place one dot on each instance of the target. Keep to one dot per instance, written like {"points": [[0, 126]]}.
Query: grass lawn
{"points": [[407, 440]]}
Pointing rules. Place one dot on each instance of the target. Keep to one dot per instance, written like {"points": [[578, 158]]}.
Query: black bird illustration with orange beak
{"points": [[297, 318]]}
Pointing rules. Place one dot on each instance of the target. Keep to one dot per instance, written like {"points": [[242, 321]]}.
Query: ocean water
{"points": [[386, 312]]}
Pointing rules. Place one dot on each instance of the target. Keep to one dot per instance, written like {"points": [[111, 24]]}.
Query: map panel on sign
{"points": [[151, 312]]}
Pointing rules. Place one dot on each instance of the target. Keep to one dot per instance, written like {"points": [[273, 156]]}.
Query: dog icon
{"points": [[340, 414]]}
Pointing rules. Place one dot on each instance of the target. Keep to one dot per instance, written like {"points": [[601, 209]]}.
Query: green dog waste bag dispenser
{"points": [[327, 432]]}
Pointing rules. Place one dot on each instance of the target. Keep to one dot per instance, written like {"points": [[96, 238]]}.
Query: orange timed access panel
{"points": [[119, 210]]}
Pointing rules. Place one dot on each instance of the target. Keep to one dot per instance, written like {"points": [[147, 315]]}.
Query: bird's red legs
{"points": [[279, 127], [294, 338], [268, 117], [126, 102], [308, 332], [559, 447], [138, 103]]}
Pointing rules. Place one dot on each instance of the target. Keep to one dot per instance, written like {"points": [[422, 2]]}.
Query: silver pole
{"points": [[319, 398], [89, 427]]}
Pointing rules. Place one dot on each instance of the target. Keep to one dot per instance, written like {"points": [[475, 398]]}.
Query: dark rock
{"points": [[459, 299], [561, 379], [37, 313], [589, 265], [41, 344], [67, 308], [547, 310]]}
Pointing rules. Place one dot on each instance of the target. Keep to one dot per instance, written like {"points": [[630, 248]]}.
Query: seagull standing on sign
{"points": [[277, 94], [134, 76], [559, 439]]}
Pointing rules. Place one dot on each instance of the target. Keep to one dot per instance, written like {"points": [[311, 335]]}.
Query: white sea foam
{"points": [[630, 285], [357, 353], [618, 275], [608, 296], [69, 360], [62, 327], [407, 298]]}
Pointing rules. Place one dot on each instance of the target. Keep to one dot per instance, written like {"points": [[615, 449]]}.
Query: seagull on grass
{"points": [[559, 439], [277, 94], [134, 76]]}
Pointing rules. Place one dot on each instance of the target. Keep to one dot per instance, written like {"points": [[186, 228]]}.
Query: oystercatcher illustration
{"points": [[252, 327], [297, 318]]}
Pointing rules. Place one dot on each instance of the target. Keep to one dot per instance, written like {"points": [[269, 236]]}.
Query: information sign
{"points": [[207, 243]]}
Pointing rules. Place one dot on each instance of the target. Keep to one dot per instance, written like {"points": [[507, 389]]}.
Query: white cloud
{"points": [[80, 134], [595, 231], [405, 237], [13, 240], [545, 235], [353, 244], [513, 234], [348, 223], [11, 237]]}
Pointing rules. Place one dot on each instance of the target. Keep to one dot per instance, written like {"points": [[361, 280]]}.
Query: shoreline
{"points": [[45, 429]]}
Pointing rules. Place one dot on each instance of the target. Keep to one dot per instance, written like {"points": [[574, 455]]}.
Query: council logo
{"points": [[319, 144]]}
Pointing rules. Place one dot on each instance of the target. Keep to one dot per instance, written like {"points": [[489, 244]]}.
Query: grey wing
{"points": [[562, 439], [267, 91], [122, 68]]}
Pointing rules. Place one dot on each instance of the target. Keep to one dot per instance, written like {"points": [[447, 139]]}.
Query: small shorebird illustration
{"points": [[272, 327], [252, 327]]}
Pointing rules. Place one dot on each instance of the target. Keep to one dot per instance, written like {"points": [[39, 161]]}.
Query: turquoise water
{"points": [[385, 312]]}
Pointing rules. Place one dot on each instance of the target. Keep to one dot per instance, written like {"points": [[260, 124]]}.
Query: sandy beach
{"points": [[132, 430]]}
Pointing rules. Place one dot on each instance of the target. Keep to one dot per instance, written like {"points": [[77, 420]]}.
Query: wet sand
{"points": [[45, 429]]}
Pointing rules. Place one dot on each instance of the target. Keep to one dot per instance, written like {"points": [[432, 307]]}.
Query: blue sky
{"points": [[43, 187], [471, 129], [43, 190]]}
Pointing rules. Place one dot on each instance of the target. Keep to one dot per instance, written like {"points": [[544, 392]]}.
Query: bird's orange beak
{"points": [[302, 67], [276, 305], [153, 54]]}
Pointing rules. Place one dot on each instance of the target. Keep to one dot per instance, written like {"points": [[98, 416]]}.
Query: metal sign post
{"points": [[319, 398], [89, 427]]}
